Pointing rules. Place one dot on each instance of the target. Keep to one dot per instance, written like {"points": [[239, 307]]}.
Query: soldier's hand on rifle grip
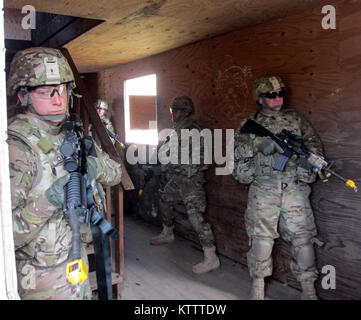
{"points": [[323, 175], [268, 147], [55, 193], [304, 163], [319, 163]]}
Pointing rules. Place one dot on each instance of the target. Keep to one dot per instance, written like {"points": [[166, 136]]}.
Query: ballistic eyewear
{"points": [[47, 92], [273, 95]]}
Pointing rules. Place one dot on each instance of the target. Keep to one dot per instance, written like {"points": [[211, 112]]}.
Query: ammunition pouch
{"points": [[305, 175], [244, 170]]}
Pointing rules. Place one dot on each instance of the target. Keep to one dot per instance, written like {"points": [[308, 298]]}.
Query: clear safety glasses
{"points": [[47, 92]]}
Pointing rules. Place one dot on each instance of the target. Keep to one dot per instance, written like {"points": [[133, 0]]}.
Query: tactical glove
{"points": [[269, 147], [55, 193], [304, 163]]}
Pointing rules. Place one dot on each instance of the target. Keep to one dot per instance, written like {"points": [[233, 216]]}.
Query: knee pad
{"points": [[261, 249], [304, 252], [195, 219]]}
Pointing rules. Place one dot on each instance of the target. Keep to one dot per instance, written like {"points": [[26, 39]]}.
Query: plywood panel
{"points": [[142, 110], [137, 29], [321, 70]]}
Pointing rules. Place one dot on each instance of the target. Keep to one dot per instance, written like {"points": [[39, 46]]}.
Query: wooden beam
{"points": [[8, 281], [47, 26], [13, 46], [70, 32], [98, 125]]}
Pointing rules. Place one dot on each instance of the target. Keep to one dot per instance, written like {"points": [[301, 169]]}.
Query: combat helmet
{"points": [[182, 103], [39, 66], [101, 104], [266, 83]]}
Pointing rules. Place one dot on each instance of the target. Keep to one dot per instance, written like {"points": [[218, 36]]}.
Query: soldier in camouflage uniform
{"points": [[278, 202], [102, 107], [43, 82], [183, 184]]}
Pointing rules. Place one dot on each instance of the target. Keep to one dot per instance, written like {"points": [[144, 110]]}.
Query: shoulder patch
{"points": [[24, 145]]}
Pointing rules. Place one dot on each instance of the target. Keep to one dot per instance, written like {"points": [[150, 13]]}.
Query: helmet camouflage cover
{"points": [[266, 83], [38, 66], [101, 104], [182, 103]]}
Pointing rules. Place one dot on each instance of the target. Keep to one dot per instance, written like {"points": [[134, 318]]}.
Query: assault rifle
{"points": [[290, 144], [112, 134], [80, 208]]}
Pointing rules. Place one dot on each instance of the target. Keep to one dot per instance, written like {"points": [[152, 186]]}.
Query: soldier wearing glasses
{"points": [[278, 201], [43, 82]]}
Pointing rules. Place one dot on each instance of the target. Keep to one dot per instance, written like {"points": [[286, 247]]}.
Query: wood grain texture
{"points": [[321, 71], [142, 110], [138, 29]]}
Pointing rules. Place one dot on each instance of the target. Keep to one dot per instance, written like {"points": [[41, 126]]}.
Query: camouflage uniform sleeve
{"points": [[243, 144], [109, 172], [110, 126], [311, 139], [244, 168], [28, 217]]}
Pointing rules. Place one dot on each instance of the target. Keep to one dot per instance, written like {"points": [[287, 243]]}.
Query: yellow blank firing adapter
{"points": [[140, 192], [351, 184], [76, 271]]}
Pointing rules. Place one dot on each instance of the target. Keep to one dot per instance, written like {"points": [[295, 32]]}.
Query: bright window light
{"points": [[140, 88]]}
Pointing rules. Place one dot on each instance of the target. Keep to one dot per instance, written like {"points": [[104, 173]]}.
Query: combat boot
{"points": [[308, 290], [257, 290], [166, 236], [210, 262]]}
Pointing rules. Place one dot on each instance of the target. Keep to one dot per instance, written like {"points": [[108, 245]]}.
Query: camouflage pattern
{"points": [[184, 184], [277, 201], [182, 103], [101, 104], [277, 207], [87, 237], [42, 236], [246, 145], [36, 67], [108, 124], [243, 158], [266, 83]]}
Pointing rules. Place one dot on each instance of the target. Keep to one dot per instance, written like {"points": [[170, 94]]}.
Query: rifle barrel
{"points": [[349, 183]]}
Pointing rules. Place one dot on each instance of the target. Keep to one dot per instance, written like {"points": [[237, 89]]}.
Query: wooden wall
{"points": [[12, 27], [142, 110], [322, 70]]}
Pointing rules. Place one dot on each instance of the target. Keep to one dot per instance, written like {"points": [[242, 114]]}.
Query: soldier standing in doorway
{"points": [[43, 81]]}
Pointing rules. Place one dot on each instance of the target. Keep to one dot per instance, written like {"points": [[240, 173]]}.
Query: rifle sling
{"points": [[102, 255]]}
